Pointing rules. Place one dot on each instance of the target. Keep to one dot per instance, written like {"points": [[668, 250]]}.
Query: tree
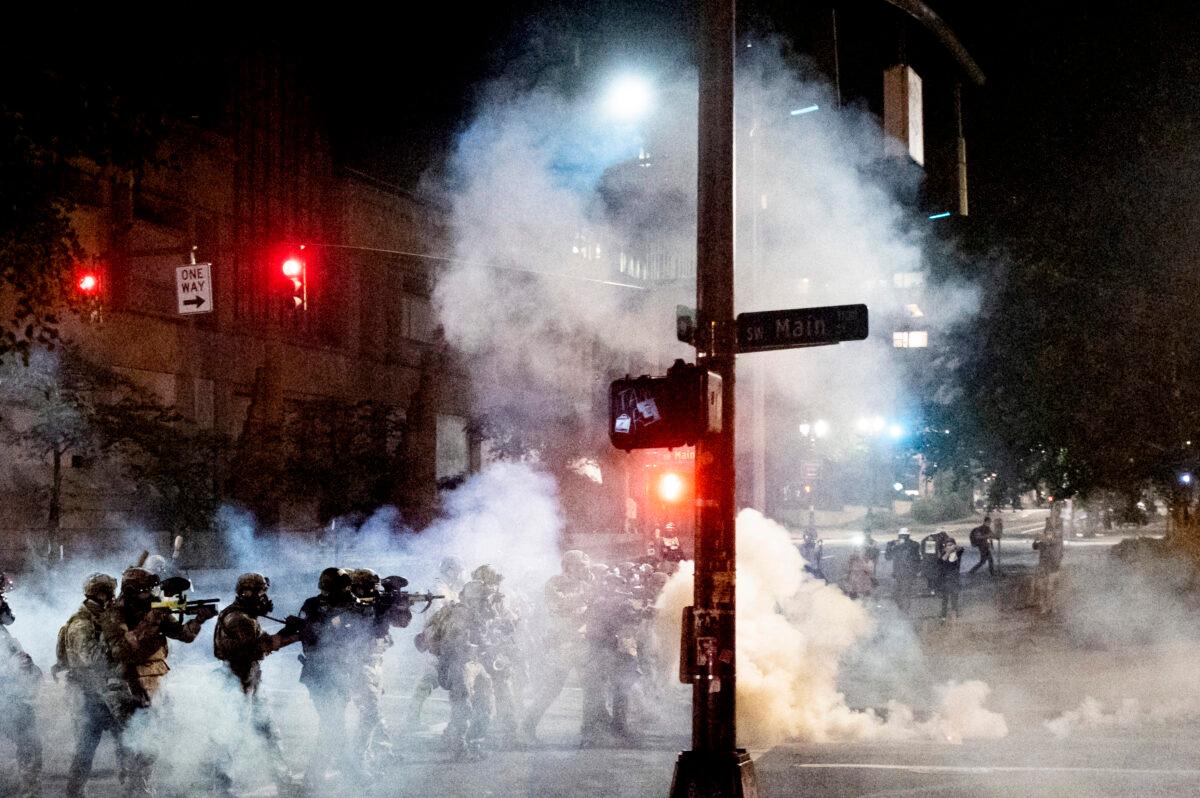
{"points": [[61, 405]]}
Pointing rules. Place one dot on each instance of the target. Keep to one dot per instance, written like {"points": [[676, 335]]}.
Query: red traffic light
{"points": [[88, 283], [293, 267], [670, 487], [293, 264]]}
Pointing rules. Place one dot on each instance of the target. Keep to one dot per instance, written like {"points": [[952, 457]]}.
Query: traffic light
{"points": [[664, 412], [88, 284], [670, 487], [295, 274], [87, 290]]}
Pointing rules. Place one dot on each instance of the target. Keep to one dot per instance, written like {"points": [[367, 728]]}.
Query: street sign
{"points": [[789, 329], [193, 288]]}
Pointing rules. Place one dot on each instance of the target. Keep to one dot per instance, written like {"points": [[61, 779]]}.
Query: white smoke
{"points": [[543, 183], [793, 632]]}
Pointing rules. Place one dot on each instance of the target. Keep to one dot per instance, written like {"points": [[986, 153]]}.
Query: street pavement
{"points": [[1038, 668]]}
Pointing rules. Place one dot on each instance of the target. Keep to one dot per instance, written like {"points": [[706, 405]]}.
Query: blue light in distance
{"points": [[1185, 478], [808, 109], [942, 215]]}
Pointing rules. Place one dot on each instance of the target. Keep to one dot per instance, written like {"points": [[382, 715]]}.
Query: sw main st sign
{"points": [[799, 327]]}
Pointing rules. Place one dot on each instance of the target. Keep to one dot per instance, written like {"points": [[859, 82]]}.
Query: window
{"points": [[453, 447], [416, 321], [910, 339], [914, 311], [908, 279]]}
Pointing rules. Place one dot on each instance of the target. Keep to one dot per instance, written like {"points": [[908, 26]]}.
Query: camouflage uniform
{"points": [[611, 666], [449, 585], [499, 627], [18, 722], [82, 654], [373, 741], [136, 638], [567, 597], [240, 642], [455, 637]]}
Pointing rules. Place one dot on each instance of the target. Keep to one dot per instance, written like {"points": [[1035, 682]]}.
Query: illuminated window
{"points": [[910, 339], [914, 311], [908, 279]]}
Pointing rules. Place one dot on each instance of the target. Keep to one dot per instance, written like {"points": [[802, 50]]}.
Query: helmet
{"points": [[903, 532], [488, 575], [156, 564], [574, 562], [364, 581], [473, 592], [138, 580], [252, 583], [670, 527], [333, 580], [451, 568], [99, 587]]}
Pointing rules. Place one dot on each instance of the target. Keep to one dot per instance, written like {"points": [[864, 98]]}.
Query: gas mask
{"points": [[258, 603]]}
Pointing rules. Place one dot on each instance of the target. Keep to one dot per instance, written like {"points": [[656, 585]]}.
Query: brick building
{"points": [[237, 187]]}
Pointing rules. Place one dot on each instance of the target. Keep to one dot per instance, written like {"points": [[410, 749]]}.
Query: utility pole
{"points": [[715, 766]]}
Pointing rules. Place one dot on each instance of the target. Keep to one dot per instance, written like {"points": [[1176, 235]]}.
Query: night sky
{"points": [[1083, 101]]}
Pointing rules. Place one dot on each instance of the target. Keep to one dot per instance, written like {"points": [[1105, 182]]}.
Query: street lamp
{"points": [[628, 98]]}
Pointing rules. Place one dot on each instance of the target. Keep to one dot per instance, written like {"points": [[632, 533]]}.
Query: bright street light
{"points": [[628, 98], [896, 431], [808, 109], [821, 428]]}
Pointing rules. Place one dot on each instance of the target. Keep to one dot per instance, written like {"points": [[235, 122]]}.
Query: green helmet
{"points": [[138, 580], [99, 587], [252, 583], [488, 575]]}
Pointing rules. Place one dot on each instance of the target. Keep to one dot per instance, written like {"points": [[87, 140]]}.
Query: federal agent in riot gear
{"points": [[240, 642], [136, 635], [457, 637], [335, 630], [20, 679], [450, 582], [384, 610], [567, 597], [905, 555], [84, 658]]}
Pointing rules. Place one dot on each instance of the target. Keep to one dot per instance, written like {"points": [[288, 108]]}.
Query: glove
{"points": [[206, 613]]}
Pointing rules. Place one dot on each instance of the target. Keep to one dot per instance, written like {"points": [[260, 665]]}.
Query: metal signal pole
{"points": [[715, 766]]}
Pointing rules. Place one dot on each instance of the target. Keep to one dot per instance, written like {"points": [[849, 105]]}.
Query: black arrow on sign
{"points": [[196, 300]]}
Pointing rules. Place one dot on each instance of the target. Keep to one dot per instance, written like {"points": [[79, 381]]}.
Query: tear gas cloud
{"points": [[544, 183], [507, 517], [793, 632]]}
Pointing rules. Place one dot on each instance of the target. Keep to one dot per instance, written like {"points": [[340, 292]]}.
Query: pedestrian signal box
{"points": [[664, 412]]}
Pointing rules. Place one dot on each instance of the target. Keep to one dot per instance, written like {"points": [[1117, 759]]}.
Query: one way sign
{"points": [[193, 288]]}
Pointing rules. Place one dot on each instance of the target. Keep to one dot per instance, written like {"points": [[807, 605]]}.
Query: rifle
{"points": [[292, 625], [175, 600], [394, 594]]}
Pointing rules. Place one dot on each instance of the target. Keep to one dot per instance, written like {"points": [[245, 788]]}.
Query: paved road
{"points": [[1038, 669]]}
